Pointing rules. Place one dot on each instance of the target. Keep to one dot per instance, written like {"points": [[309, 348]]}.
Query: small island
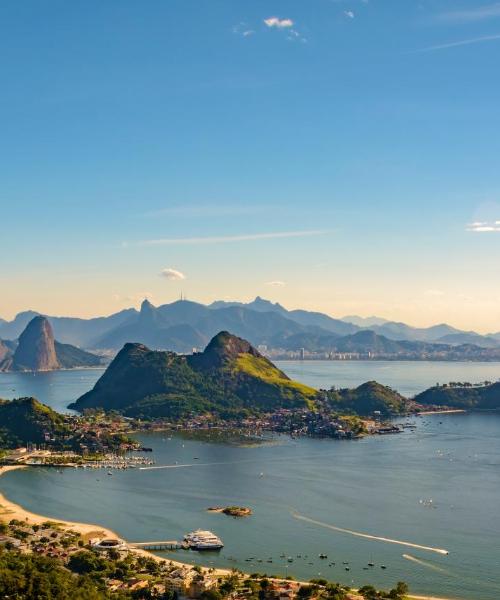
{"points": [[232, 511]]}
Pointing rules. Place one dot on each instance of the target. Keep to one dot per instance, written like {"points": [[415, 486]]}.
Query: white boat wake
{"points": [[425, 563], [367, 536]]}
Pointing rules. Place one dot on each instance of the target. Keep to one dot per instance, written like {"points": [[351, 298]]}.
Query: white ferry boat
{"points": [[203, 540]]}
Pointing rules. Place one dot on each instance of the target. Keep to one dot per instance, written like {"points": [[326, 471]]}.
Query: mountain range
{"points": [[184, 325]]}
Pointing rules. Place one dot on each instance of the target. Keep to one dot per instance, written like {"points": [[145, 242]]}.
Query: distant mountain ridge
{"points": [[184, 325]]}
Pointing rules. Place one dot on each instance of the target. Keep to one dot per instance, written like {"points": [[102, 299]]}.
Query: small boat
{"points": [[323, 556], [383, 567], [370, 564], [347, 568]]}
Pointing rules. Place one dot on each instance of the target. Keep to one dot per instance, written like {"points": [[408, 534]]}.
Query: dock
{"points": [[164, 545]]}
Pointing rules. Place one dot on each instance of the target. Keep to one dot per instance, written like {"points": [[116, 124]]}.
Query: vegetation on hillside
{"points": [[367, 399], [462, 395], [70, 357], [229, 378], [27, 420]]}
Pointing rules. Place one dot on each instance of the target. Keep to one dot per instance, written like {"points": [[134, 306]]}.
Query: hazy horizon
{"points": [[137, 304], [337, 156]]}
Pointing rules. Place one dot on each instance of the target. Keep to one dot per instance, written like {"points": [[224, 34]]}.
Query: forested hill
{"points": [[229, 378], [466, 395], [28, 420]]}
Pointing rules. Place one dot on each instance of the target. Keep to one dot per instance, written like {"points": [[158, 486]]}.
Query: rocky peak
{"points": [[223, 348], [36, 348]]}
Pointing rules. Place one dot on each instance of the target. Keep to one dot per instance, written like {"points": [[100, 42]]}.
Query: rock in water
{"points": [[36, 349]]}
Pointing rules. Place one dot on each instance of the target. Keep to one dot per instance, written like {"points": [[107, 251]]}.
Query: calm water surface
{"points": [[377, 486]]}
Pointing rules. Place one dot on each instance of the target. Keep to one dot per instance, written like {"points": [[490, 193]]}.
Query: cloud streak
{"points": [[225, 239], [276, 283], [484, 226], [466, 42], [480, 13]]}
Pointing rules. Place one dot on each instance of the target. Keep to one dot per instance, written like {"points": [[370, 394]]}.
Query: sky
{"points": [[340, 156]]}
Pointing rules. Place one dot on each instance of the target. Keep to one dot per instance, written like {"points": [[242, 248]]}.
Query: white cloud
{"points": [[278, 23], [484, 226], [227, 238], [276, 283], [466, 42], [479, 13], [349, 14], [173, 274]]}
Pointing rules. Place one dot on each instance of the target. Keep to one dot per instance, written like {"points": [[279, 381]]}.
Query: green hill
{"points": [[366, 399], [466, 396], [229, 378], [27, 420], [70, 357]]}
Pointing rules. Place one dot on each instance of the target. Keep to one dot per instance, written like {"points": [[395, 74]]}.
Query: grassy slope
{"points": [[266, 372]]}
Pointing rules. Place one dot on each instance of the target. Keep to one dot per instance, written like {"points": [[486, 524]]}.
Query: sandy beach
{"points": [[9, 510]]}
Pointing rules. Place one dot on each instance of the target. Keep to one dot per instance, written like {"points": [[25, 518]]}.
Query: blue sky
{"points": [[341, 156]]}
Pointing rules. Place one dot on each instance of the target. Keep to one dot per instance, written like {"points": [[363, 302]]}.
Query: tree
{"points": [[86, 562], [400, 591]]}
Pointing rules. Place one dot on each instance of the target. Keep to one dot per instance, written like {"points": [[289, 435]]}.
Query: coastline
{"points": [[449, 411], [10, 510]]}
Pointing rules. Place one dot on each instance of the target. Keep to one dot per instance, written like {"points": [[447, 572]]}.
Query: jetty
{"points": [[164, 545]]}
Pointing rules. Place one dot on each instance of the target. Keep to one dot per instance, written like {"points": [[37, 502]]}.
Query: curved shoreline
{"points": [[10, 510]]}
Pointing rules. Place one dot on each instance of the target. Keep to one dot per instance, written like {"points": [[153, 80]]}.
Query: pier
{"points": [[165, 545]]}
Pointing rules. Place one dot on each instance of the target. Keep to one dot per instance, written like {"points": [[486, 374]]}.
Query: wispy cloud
{"points": [[484, 226], [243, 29], [225, 239], [478, 13], [466, 42], [173, 274], [278, 23], [349, 14], [276, 283]]}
